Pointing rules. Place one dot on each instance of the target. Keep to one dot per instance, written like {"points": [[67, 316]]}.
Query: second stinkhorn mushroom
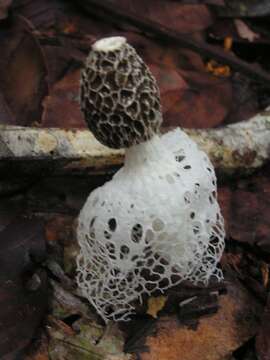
{"points": [[157, 222]]}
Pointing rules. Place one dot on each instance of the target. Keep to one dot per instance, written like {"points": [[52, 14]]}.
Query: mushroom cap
{"points": [[119, 96]]}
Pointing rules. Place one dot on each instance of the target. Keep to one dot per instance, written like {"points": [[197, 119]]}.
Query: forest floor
{"points": [[211, 61]]}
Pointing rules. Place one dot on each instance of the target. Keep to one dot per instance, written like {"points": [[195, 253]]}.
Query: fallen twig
{"points": [[235, 149]]}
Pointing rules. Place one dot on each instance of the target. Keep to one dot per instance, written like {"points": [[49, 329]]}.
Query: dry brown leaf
{"points": [[263, 338], [4, 7], [21, 308], [61, 326], [40, 350], [61, 106], [60, 228], [204, 104], [171, 85], [6, 116], [265, 274], [39, 355], [90, 342], [183, 18], [246, 209], [215, 337], [23, 83], [227, 44]]}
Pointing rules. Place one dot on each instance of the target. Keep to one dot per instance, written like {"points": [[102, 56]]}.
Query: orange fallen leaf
{"points": [[69, 28], [218, 70], [38, 356], [60, 228], [265, 274], [155, 304], [61, 326], [61, 106], [228, 41]]}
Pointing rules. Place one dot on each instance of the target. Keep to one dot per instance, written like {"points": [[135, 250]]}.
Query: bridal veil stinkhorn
{"points": [[157, 222]]}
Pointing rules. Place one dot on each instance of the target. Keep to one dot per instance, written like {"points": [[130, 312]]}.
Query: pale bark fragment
{"points": [[238, 148]]}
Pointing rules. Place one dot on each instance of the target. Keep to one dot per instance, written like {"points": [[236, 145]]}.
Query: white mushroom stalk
{"points": [[157, 222]]}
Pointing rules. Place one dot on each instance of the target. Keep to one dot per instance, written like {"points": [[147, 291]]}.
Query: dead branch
{"points": [[235, 149]]}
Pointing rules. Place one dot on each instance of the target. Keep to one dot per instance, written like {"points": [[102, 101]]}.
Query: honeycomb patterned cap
{"points": [[119, 95]]}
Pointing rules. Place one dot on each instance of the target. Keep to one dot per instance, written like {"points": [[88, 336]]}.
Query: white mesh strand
{"points": [[155, 224]]}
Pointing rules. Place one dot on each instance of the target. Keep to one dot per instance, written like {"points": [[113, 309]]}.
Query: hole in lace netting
{"points": [[112, 285], [92, 221], [110, 247], [197, 188], [137, 233], [92, 234], [176, 269], [163, 284], [150, 262], [112, 224], [107, 234], [159, 269], [115, 271], [150, 286], [158, 225], [187, 197], [175, 279], [124, 251], [214, 241], [147, 251], [88, 277], [187, 167], [197, 228], [80, 278], [164, 261], [179, 158], [217, 230], [90, 240]]}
